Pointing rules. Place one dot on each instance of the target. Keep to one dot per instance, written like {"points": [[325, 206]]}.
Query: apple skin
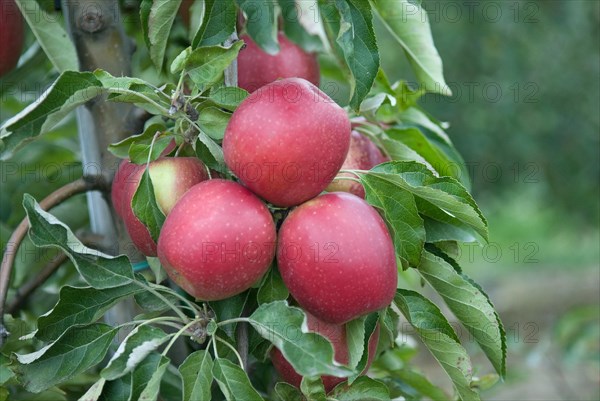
{"points": [[257, 68], [337, 258], [171, 178], [362, 155], [218, 240], [287, 141], [12, 35], [336, 333]]}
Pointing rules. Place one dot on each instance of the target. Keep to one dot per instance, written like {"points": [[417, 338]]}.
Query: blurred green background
{"points": [[525, 114]]}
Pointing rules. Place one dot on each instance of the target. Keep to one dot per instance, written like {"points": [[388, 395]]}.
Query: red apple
{"points": [[257, 68], [12, 35], [362, 155], [337, 258], [336, 334], [287, 141], [171, 178], [217, 241]]}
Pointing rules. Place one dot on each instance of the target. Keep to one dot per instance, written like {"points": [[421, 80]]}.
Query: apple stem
{"points": [[162, 298], [176, 336], [231, 347], [193, 307], [234, 320]]}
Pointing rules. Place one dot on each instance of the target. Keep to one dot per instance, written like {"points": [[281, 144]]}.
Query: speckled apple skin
{"points": [[171, 178], [362, 155], [217, 241], [354, 271], [257, 68], [287, 141], [12, 35], [336, 333]]}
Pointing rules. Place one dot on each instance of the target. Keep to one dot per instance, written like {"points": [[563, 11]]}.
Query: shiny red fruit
{"points": [[287, 141], [12, 35], [217, 241], [337, 258], [257, 68]]}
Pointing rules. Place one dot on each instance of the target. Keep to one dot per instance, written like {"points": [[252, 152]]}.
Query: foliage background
{"points": [[534, 163]]}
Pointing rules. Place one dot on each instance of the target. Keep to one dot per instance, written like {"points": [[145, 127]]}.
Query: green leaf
{"points": [[228, 97], [472, 307], [415, 139], [51, 36], [363, 389], [150, 302], [230, 308], [152, 389], [293, 28], [213, 122], [145, 207], [80, 306], [157, 18], [210, 153], [135, 347], [218, 23], [197, 377], [69, 91], [234, 382], [407, 21], [313, 389], [205, 65], [420, 384], [77, 350], [439, 337], [356, 38], [97, 269], [287, 392], [440, 198], [119, 389], [141, 153], [309, 353], [273, 288], [358, 335], [94, 392], [400, 212], [121, 149], [261, 23]]}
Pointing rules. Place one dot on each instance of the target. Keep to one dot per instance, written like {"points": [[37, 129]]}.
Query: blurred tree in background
{"points": [[526, 97]]}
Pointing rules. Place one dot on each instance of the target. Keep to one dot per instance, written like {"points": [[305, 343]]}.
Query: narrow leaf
{"points": [[287, 392], [152, 389], [261, 23], [157, 19], [51, 36], [69, 91], [80, 306], [408, 23], [309, 353], [363, 389], [94, 392], [196, 374], [356, 38], [439, 337], [77, 350], [358, 340], [234, 382], [218, 23], [313, 389], [97, 269], [472, 308], [400, 212], [145, 207], [135, 347]]}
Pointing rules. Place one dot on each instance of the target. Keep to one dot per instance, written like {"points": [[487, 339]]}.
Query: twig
{"points": [[84, 184], [25, 290]]}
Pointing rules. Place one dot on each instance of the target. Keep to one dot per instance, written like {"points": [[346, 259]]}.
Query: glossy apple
{"points": [[336, 333], [217, 241], [337, 258], [362, 155], [257, 68], [171, 178], [286, 141], [12, 35]]}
